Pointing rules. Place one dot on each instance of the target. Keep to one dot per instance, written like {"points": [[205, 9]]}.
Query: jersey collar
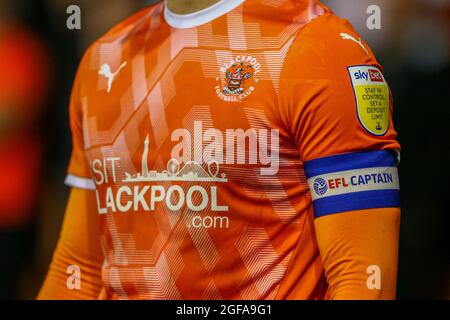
{"points": [[183, 21]]}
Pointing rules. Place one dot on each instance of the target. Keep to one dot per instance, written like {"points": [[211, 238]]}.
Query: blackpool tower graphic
{"points": [[145, 157], [191, 171]]}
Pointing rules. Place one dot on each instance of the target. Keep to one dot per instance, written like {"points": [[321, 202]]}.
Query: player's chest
{"points": [[196, 106]]}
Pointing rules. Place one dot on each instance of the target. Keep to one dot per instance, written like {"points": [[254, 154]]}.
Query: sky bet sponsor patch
{"points": [[353, 181], [371, 97]]}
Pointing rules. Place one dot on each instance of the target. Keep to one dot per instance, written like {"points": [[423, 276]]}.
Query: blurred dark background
{"points": [[43, 54]]}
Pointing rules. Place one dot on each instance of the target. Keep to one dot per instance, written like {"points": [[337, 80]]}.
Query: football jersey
{"points": [[212, 141]]}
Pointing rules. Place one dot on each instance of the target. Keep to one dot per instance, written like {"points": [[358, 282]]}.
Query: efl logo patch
{"points": [[350, 181], [371, 97], [238, 78], [353, 181]]}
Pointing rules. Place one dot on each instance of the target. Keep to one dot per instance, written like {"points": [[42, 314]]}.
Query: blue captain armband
{"points": [[353, 181]]}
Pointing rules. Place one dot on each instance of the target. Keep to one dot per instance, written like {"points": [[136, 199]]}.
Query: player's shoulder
{"points": [[126, 36], [326, 43], [132, 28], [139, 23], [325, 28]]}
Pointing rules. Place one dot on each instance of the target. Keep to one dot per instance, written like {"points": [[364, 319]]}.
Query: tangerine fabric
{"points": [[194, 143], [359, 250], [79, 245]]}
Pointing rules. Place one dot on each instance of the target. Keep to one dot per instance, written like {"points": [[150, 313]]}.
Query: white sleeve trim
{"points": [[80, 183]]}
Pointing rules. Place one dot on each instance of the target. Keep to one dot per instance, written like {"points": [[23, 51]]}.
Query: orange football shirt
{"points": [[194, 133]]}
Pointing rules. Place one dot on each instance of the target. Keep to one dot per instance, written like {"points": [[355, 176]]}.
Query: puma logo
{"points": [[105, 71], [346, 36]]}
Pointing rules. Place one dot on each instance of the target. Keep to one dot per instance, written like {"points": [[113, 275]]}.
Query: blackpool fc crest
{"points": [[238, 78]]}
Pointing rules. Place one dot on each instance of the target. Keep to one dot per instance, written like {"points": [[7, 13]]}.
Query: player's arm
{"points": [[78, 248], [75, 270], [359, 253], [349, 152], [356, 209]]}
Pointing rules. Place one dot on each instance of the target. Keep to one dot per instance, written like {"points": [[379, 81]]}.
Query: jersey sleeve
{"points": [[75, 270], [78, 173], [337, 105]]}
